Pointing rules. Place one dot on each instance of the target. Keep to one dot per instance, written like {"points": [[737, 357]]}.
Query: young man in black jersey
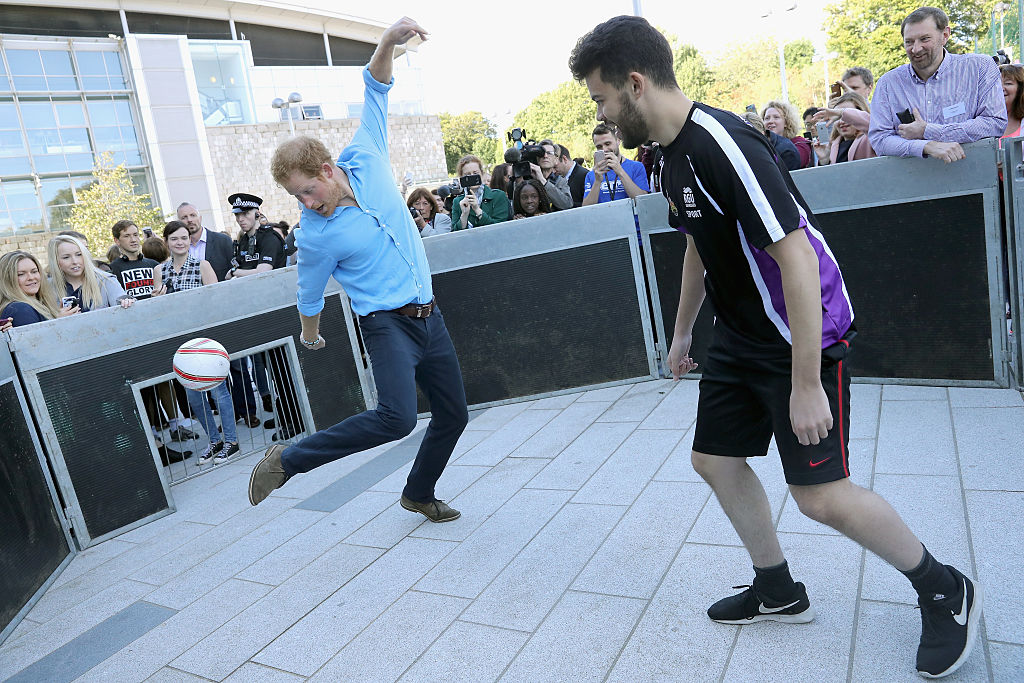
{"points": [[782, 332]]}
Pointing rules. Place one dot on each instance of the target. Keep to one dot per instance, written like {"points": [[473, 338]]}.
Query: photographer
{"points": [[555, 186], [478, 204], [613, 177], [423, 207]]}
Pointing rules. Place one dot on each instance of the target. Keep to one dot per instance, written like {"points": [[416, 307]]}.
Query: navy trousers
{"points": [[403, 352]]}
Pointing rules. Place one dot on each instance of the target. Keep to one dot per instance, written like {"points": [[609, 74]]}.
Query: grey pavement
{"points": [[588, 550]]}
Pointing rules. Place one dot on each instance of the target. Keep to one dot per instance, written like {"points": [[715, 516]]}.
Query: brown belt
{"points": [[416, 310]]}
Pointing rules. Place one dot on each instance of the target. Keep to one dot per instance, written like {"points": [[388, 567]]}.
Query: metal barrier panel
{"points": [[34, 542], [1013, 177], [544, 305], [79, 371], [918, 243]]}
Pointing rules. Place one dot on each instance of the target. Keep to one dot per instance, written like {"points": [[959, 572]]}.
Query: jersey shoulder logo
{"points": [[691, 204]]}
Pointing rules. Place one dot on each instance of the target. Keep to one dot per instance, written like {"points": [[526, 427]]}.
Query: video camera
{"points": [[1001, 57], [523, 154]]}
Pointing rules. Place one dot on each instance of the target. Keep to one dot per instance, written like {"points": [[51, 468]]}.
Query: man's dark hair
{"points": [[864, 72], [810, 111], [922, 13], [120, 227], [563, 152], [605, 129], [621, 46]]}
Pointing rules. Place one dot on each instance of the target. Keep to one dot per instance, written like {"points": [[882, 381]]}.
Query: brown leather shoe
{"points": [[267, 475], [435, 510]]}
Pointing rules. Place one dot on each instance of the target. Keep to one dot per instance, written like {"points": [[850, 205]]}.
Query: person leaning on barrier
{"points": [[775, 366], [76, 278], [131, 268], [850, 115], [614, 176], [928, 107], [530, 199], [575, 175], [1012, 77], [780, 118], [429, 221], [207, 245], [179, 274], [357, 228], [478, 205], [26, 296]]}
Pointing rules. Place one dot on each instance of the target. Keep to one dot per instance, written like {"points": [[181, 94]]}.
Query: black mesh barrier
{"points": [[32, 543], [103, 440], [668, 249], [541, 323], [197, 28], [59, 21], [274, 46], [918, 277]]}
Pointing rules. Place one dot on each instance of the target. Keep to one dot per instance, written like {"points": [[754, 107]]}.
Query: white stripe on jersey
{"points": [[743, 170], [701, 186], [762, 288], [828, 250]]}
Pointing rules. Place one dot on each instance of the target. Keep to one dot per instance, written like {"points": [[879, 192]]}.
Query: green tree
{"points": [[464, 134], [867, 32], [693, 74], [109, 199], [799, 53], [565, 114]]}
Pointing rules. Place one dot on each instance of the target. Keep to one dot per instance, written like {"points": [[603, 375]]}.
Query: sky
{"points": [[496, 57]]}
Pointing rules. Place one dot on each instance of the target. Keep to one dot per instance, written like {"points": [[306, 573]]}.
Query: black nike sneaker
{"points": [[749, 606], [949, 627]]}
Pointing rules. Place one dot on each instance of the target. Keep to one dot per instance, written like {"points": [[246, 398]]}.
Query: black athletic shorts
{"points": [[742, 404]]}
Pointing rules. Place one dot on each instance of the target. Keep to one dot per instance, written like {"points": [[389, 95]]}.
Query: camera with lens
{"points": [[1001, 57], [414, 212], [531, 153]]}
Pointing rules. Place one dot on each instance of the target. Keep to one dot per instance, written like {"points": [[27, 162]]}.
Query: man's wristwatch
{"points": [[310, 344]]}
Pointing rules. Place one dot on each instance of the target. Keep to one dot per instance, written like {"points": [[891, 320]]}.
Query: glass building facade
{"points": [[62, 103]]}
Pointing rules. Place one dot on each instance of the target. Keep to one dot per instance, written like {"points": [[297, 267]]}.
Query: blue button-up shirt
{"points": [[374, 250], [962, 102]]}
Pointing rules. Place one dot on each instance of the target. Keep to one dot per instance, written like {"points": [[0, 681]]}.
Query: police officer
{"points": [[258, 249]]}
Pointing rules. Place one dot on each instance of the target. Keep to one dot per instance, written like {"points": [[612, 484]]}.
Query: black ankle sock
{"points": [[774, 582], [931, 576]]}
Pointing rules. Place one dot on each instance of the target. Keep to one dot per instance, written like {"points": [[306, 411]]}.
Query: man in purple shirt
{"points": [[945, 99]]}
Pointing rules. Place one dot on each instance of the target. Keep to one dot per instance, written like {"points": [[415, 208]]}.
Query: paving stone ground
{"points": [[588, 550]]}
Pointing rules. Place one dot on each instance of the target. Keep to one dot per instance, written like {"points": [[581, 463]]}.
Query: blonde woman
{"points": [[782, 119], [25, 295], [74, 275]]}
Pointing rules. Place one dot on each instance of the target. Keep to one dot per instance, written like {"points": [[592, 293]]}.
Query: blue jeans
{"points": [[403, 352], [201, 410]]}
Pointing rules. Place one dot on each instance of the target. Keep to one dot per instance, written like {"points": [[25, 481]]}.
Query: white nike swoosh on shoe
{"points": [[961, 618], [771, 610]]}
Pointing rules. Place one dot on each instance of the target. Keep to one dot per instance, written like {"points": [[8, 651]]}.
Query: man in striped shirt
{"points": [[945, 99], [776, 364]]}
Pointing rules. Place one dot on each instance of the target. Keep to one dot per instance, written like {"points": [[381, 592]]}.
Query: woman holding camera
{"points": [[25, 295], [478, 204], [429, 221], [849, 141], [78, 281], [530, 199]]}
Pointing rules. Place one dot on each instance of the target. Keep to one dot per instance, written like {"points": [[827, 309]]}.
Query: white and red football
{"points": [[201, 364]]}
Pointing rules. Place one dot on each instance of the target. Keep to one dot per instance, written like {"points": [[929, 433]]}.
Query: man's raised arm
{"points": [[383, 57]]}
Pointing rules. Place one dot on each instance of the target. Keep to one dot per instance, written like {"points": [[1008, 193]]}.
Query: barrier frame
{"points": [[545, 234], [9, 373], [1013, 187], [53, 344]]}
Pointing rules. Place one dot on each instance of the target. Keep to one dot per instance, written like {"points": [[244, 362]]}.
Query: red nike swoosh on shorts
{"points": [[815, 464]]}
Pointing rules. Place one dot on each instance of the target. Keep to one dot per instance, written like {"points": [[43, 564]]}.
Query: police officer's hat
{"points": [[241, 202]]}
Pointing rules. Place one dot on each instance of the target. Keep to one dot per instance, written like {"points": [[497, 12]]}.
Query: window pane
{"points": [[79, 162], [90, 63], [70, 113], [14, 166], [38, 114], [30, 83], [50, 163], [133, 157], [75, 140], [56, 190], [102, 113], [61, 83], [11, 143], [128, 136], [28, 221], [107, 138], [124, 111], [113, 62], [24, 62], [21, 194], [56, 62], [9, 115], [95, 83], [5, 84], [82, 183], [44, 141]]}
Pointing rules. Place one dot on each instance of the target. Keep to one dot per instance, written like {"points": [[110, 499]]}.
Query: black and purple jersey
{"points": [[727, 189]]}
